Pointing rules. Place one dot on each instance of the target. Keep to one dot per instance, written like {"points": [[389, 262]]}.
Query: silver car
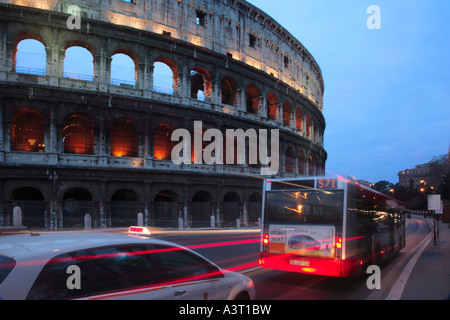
{"points": [[100, 265]]}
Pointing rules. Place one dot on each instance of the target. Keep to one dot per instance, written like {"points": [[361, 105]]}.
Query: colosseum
{"points": [[73, 144]]}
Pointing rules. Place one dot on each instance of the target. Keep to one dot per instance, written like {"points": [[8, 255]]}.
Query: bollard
{"points": [[140, 219], [213, 221], [180, 223], [87, 221], [17, 217], [238, 223]]}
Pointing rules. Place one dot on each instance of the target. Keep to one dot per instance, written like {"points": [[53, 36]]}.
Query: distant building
{"points": [[420, 173]]}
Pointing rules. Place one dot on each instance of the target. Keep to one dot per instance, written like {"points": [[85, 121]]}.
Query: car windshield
{"points": [[6, 265]]}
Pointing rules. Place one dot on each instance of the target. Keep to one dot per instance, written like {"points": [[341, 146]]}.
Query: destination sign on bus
{"points": [[326, 184]]}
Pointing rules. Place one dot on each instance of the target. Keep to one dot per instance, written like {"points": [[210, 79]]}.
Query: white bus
{"points": [[328, 226]]}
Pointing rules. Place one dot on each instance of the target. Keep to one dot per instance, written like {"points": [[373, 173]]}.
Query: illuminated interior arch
{"points": [[163, 145], [124, 138], [78, 134], [27, 131]]}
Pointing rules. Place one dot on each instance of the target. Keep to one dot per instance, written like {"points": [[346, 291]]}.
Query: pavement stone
{"points": [[430, 277]]}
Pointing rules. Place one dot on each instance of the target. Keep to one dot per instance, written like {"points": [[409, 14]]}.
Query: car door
{"points": [[128, 272], [113, 272], [191, 276]]}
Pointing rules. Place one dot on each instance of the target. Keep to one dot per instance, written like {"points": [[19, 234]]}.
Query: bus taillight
{"points": [[339, 243], [266, 238], [265, 242]]}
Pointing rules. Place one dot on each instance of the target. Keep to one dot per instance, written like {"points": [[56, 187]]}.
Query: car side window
{"points": [[102, 270], [182, 266]]}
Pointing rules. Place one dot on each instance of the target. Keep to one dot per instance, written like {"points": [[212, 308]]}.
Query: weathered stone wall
{"points": [[291, 91]]}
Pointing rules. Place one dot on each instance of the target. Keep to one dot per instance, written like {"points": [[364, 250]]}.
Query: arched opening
{"points": [[314, 130], [317, 166], [289, 160], [124, 138], [79, 63], [254, 208], [27, 131], [287, 113], [166, 209], [123, 70], [253, 99], [163, 144], [30, 57], [310, 166], [230, 209], [299, 119], [77, 202], [201, 209], [301, 163], [308, 125], [31, 202], [229, 91], [124, 208], [165, 76], [78, 134], [272, 106], [201, 86]]}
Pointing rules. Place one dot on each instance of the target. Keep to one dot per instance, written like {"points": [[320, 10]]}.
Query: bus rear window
{"points": [[309, 206], [6, 265]]}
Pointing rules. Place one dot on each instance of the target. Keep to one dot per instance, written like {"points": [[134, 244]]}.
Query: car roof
{"points": [[24, 246]]}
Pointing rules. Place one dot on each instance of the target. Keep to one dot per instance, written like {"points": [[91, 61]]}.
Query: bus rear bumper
{"points": [[311, 265]]}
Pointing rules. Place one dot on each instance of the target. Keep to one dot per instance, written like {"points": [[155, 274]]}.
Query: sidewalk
{"points": [[430, 277]]}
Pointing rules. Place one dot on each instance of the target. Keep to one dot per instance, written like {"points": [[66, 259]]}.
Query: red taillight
{"points": [[339, 242], [266, 239]]}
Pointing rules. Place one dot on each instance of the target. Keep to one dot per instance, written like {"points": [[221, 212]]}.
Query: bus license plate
{"points": [[303, 263]]}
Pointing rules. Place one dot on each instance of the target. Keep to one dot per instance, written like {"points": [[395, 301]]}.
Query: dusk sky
{"points": [[387, 91]]}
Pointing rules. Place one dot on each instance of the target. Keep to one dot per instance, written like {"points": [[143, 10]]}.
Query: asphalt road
{"points": [[239, 252]]}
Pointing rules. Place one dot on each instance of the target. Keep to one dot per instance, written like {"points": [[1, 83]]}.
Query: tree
{"points": [[439, 167], [383, 185]]}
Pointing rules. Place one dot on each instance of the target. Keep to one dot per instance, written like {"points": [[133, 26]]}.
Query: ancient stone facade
{"points": [[72, 145]]}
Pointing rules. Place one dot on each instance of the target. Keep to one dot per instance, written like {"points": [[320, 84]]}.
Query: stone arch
{"points": [[124, 208], [229, 91], [27, 131], [166, 209], [200, 81], [159, 80], [76, 203], [71, 68], [123, 71], [32, 204], [254, 208], [124, 138], [299, 119], [289, 160], [287, 113], [78, 134], [201, 209], [272, 106], [253, 99], [231, 209], [36, 62], [162, 144]]}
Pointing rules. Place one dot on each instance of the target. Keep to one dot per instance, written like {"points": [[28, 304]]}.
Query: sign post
{"points": [[435, 204]]}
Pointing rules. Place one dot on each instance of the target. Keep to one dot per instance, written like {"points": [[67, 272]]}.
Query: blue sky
{"points": [[387, 91]]}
